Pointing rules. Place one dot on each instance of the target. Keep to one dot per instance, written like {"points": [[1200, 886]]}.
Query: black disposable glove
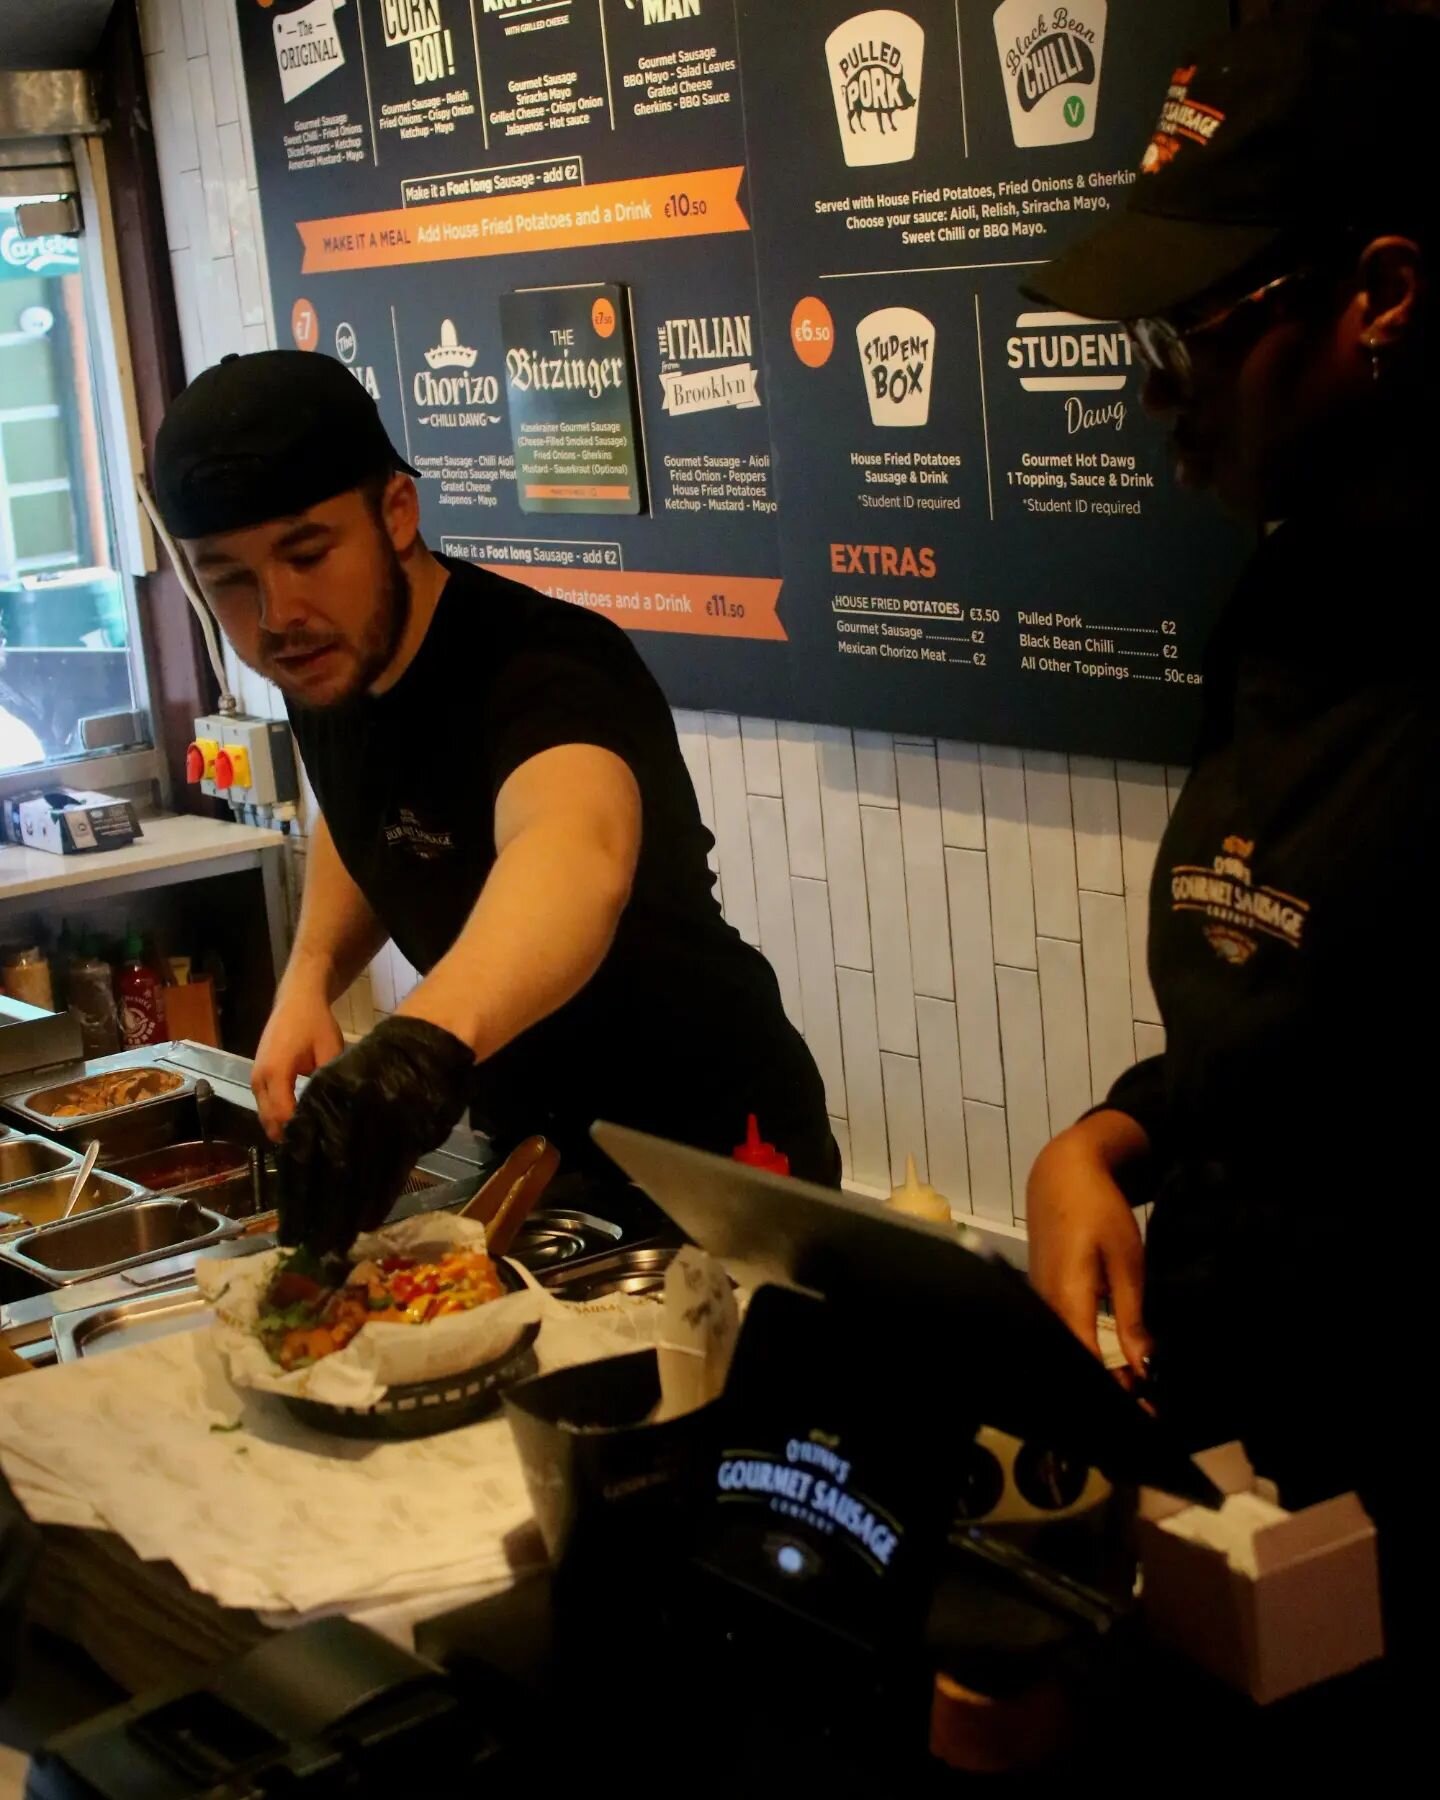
{"points": [[361, 1124]]}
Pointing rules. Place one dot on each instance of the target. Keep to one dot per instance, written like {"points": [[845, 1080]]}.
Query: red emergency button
{"points": [[224, 770], [194, 763]]}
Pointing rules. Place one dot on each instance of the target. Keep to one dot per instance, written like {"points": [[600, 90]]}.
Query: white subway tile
{"points": [[257, 237], [1027, 1107], [344, 1017], [167, 76], [800, 785], [382, 981], [219, 306], [989, 1162], [904, 1115], [962, 807], [238, 63], [362, 1006], [242, 228], [193, 16], [1107, 988], [931, 960], [1144, 813], [187, 306], [1052, 845], [1175, 780], [841, 1129], [944, 1104], [212, 165], [844, 850], [890, 929], [818, 996], [762, 758], [976, 1011], [407, 976], [160, 26], [732, 823], [695, 748], [1007, 841], [875, 768], [257, 337], [775, 905], [1143, 1003], [223, 63], [1096, 805], [188, 193], [1067, 1039], [1149, 1041], [869, 1145]]}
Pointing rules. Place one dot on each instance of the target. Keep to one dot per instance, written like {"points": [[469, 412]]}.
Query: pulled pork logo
{"points": [[875, 71], [1182, 121], [1237, 912]]}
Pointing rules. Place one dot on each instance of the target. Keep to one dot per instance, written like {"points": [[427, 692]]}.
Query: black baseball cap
{"points": [[1271, 143], [263, 437]]}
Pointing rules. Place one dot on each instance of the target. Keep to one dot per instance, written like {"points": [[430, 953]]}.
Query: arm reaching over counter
{"points": [[567, 835]]}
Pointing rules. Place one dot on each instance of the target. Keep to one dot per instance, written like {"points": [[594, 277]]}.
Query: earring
{"points": [[1376, 352]]}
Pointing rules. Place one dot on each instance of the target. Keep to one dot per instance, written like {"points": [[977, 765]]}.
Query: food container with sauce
{"points": [[67, 1106], [27, 977]]}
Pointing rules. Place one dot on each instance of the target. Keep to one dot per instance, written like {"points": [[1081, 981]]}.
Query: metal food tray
{"points": [[130, 1233], [122, 1323], [24, 1157], [24, 1104]]}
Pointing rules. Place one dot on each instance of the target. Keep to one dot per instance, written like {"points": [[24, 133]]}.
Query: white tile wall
{"points": [[958, 929]]}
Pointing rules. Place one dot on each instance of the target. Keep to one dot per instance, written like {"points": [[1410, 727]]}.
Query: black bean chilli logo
{"points": [[1054, 53], [1237, 912]]}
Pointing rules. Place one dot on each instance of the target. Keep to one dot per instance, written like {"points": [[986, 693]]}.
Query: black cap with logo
{"points": [[1272, 143], [264, 437]]}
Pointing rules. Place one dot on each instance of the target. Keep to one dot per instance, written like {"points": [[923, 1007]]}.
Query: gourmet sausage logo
{"points": [[307, 47], [1050, 60], [1235, 911], [876, 62], [1182, 120], [897, 354]]}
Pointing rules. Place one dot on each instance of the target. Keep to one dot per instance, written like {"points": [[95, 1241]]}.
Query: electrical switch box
{"points": [[244, 761]]}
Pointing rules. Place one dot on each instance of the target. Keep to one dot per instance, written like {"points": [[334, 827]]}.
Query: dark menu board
{"points": [[741, 284]]}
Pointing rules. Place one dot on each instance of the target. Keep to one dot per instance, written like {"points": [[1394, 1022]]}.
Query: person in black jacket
{"points": [[1276, 266]]}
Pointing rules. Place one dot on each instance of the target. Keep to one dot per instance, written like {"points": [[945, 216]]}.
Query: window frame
{"points": [[121, 452]]}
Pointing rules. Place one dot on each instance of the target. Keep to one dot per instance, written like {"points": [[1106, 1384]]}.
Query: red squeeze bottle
{"points": [[139, 995], [755, 1153]]}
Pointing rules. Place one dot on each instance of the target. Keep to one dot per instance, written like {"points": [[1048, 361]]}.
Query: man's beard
{"points": [[373, 654]]}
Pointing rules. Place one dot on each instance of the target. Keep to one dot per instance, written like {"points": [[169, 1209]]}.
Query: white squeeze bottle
{"points": [[920, 1200]]}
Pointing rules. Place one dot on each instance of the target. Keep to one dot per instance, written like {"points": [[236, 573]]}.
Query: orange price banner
{"points": [[701, 204], [720, 606]]}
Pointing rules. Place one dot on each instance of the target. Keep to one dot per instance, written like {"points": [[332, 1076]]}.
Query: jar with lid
{"points": [[27, 977]]}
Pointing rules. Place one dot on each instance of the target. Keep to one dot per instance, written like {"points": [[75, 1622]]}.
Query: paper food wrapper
{"points": [[378, 1357], [698, 1334]]}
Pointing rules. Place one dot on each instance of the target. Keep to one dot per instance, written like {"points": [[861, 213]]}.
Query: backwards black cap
{"points": [[1276, 140], [264, 436]]}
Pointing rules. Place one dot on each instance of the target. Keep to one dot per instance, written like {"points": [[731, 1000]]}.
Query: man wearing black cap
{"points": [[1276, 268], [502, 793]]}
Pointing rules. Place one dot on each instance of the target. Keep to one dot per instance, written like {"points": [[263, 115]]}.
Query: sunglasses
{"points": [[1163, 346]]}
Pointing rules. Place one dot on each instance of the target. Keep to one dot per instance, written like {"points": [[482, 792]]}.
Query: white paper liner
{"points": [[378, 1357]]}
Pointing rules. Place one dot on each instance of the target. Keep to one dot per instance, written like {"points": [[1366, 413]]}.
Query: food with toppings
{"points": [[105, 1093], [314, 1306]]}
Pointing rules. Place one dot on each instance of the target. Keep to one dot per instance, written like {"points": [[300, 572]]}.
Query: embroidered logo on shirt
{"points": [[409, 834], [1182, 121], [1237, 912]]}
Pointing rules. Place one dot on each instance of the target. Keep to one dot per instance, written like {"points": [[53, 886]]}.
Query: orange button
{"points": [[194, 763], [224, 770]]}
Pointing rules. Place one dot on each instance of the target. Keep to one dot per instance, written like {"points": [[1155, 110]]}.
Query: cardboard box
{"points": [[69, 822], [1312, 1610]]}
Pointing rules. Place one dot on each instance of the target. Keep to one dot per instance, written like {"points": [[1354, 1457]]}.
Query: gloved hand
{"points": [[361, 1124]]}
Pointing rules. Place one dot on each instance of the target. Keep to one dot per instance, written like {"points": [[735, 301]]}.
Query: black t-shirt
{"points": [[1292, 957], [681, 1031]]}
